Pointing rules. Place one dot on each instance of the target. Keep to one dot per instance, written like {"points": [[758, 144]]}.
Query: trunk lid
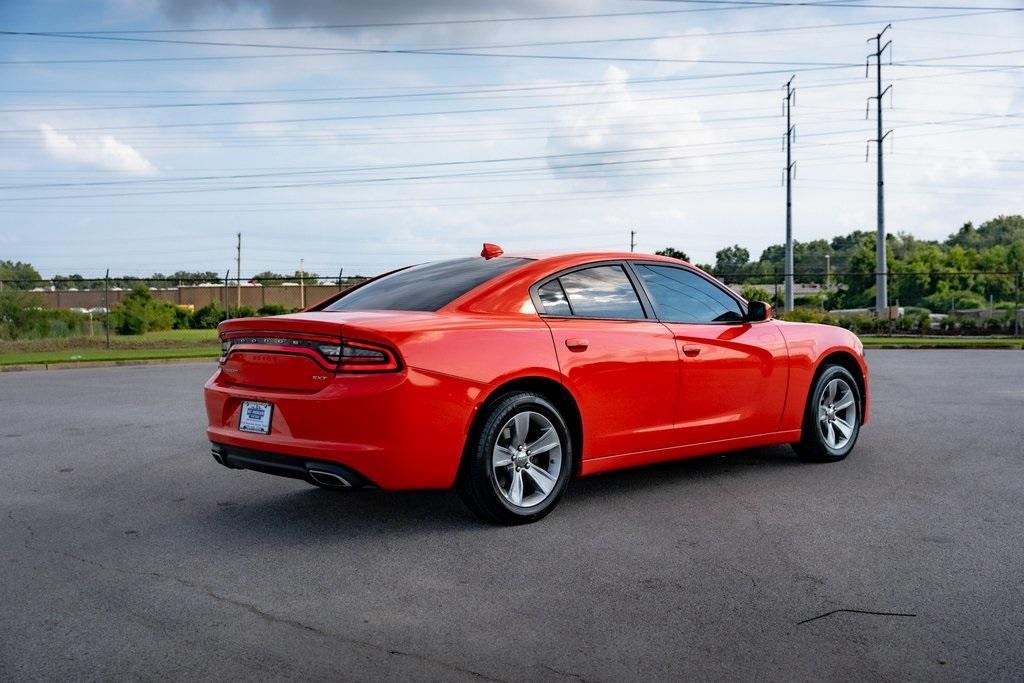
{"points": [[288, 352]]}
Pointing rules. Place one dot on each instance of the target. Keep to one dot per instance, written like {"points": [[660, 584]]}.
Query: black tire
{"points": [[814, 445], [478, 484]]}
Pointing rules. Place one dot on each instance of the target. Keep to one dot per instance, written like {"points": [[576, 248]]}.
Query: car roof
{"points": [[504, 294], [588, 256]]}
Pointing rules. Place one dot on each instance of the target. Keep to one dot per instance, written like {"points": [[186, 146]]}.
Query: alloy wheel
{"points": [[837, 414], [527, 459]]}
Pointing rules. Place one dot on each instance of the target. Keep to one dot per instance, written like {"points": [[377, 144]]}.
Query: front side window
{"points": [[683, 296], [597, 292], [426, 287]]}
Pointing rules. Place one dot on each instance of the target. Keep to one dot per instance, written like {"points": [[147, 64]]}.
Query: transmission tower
{"points": [[787, 104], [881, 270]]}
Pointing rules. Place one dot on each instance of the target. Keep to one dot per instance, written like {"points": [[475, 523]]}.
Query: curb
{"points": [[939, 347], [72, 365]]}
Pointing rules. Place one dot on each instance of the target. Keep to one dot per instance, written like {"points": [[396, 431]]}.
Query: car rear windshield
{"points": [[426, 287]]}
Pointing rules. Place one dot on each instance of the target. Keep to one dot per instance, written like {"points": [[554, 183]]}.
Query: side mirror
{"points": [[758, 311]]}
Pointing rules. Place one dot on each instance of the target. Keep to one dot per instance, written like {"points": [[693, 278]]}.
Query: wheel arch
{"points": [[848, 361], [550, 389]]}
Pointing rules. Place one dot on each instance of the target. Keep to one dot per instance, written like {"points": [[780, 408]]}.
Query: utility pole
{"points": [[227, 300], [238, 273], [881, 274], [632, 241], [788, 267], [106, 305], [302, 283]]}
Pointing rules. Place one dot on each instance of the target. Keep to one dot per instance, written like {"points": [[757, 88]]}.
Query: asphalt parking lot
{"points": [[126, 552]]}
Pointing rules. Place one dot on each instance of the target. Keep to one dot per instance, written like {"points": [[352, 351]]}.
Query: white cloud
{"points": [[94, 152], [658, 128]]}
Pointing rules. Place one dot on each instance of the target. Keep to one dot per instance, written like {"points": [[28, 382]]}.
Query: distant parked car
{"points": [[506, 375]]}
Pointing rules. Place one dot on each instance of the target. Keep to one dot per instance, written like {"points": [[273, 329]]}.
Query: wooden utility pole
{"points": [[106, 305], [238, 273]]}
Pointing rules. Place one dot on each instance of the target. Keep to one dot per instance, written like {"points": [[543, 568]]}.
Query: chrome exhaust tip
{"points": [[329, 479]]}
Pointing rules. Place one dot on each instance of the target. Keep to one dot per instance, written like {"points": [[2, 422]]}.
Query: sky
{"points": [[367, 136]]}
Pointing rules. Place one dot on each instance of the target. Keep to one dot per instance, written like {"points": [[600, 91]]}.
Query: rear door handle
{"points": [[575, 344], [691, 350]]}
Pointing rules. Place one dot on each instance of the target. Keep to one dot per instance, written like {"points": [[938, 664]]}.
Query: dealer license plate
{"points": [[255, 417]]}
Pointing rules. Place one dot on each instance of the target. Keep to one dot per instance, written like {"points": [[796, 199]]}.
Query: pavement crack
{"points": [[266, 616], [856, 611], [567, 674]]}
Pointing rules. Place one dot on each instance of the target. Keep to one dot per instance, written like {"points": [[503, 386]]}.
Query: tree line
{"points": [[971, 268]]}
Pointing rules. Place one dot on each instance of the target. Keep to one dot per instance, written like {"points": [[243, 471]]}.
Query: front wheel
{"points": [[518, 464], [832, 419]]}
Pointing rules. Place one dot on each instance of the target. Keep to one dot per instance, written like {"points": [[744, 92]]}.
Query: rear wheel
{"points": [[518, 464], [832, 419]]}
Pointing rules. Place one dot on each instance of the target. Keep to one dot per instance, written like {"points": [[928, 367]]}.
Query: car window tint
{"points": [[553, 300], [426, 287], [602, 292], [683, 296]]}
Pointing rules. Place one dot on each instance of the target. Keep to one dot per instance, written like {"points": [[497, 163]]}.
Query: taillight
{"points": [[346, 355], [357, 356]]}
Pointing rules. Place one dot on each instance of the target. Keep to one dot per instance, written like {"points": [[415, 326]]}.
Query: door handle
{"points": [[575, 344], [691, 350]]}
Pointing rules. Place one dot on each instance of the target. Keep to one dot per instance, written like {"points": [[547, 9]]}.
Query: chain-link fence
{"points": [[32, 309], [921, 302]]}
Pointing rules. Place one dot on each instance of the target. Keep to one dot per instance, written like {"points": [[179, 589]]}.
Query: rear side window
{"points": [[682, 296], [598, 292], [552, 298], [426, 287]]}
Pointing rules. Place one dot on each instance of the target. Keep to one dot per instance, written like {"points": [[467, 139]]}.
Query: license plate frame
{"points": [[255, 417]]}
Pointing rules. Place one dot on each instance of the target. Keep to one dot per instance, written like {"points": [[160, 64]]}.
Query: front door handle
{"points": [[575, 344], [691, 350]]}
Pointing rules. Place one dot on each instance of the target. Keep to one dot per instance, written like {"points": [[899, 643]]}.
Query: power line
{"points": [[84, 35]]}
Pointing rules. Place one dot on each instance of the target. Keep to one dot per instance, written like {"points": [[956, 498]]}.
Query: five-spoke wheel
{"points": [[527, 459], [832, 420], [518, 463]]}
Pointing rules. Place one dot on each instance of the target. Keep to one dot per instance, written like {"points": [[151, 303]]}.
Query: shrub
{"points": [[967, 325], [241, 312], [20, 314], [182, 318], [995, 325], [139, 313], [208, 317], [807, 315], [959, 300], [862, 324], [812, 300], [755, 293], [272, 309]]}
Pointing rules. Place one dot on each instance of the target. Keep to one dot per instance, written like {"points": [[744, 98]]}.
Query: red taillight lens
{"points": [[358, 356], [346, 355]]}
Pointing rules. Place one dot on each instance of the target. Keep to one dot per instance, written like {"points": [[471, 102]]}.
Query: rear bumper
{"points": [[313, 471], [402, 430]]}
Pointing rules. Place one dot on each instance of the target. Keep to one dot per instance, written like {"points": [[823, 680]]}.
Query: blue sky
{"points": [[665, 123]]}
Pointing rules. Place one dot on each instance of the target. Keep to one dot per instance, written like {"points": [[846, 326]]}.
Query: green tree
{"points": [[19, 275], [672, 252], [21, 314], [731, 262]]}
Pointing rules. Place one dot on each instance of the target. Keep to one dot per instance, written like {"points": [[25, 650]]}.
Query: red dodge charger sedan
{"points": [[505, 376]]}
